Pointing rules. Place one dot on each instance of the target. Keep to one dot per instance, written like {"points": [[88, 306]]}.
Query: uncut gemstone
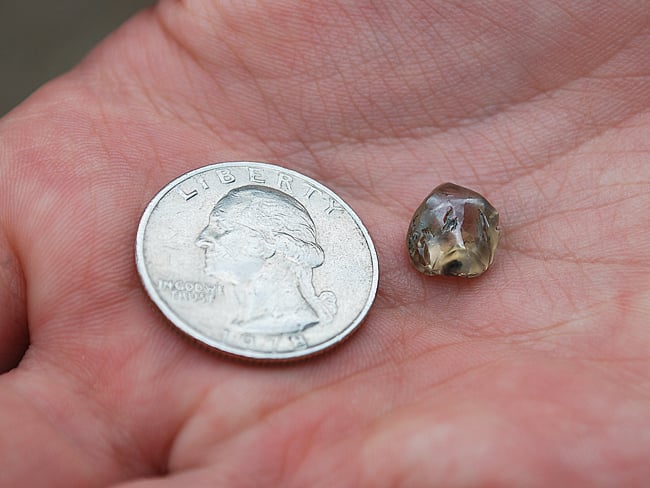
{"points": [[455, 231]]}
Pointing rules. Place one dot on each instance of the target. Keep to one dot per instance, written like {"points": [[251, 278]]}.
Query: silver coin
{"points": [[256, 261]]}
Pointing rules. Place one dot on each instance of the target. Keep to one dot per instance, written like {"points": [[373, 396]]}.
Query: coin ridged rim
{"points": [[214, 344]]}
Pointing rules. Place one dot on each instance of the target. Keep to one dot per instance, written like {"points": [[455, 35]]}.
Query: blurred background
{"points": [[40, 39]]}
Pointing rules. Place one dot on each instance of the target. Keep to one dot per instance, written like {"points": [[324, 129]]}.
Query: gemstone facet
{"points": [[455, 231]]}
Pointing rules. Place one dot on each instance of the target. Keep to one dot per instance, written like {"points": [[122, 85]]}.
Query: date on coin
{"points": [[256, 261]]}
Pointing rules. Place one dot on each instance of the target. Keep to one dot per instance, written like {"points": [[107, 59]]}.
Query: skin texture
{"points": [[535, 374]]}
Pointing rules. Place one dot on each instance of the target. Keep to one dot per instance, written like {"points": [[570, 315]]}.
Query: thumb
{"points": [[14, 337]]}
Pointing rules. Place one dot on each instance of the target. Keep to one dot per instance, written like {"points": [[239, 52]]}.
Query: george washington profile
{"points": [[260, 243]]}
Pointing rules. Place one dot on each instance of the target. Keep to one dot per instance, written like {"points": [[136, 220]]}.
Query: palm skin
{"points": [[535, 374]]}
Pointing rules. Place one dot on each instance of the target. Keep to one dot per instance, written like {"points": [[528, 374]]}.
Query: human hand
{"points": [[535, 374]]}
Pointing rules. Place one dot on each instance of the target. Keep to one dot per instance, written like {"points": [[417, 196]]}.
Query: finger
{"points": [[14, 337]]}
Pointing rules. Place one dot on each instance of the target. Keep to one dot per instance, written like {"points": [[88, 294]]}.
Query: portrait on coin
{"points": [[260, 243]]}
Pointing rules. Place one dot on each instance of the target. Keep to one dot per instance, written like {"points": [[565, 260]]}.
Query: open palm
{"points": [[536, 374]]}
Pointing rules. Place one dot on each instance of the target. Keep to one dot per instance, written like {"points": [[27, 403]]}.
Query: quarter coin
{"points": [[256, 261]]}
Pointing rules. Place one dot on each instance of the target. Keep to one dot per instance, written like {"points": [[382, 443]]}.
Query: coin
{"points": [[256, 261]]}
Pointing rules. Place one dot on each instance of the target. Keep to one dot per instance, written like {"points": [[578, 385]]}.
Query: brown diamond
{"points": [[455, 231]]}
